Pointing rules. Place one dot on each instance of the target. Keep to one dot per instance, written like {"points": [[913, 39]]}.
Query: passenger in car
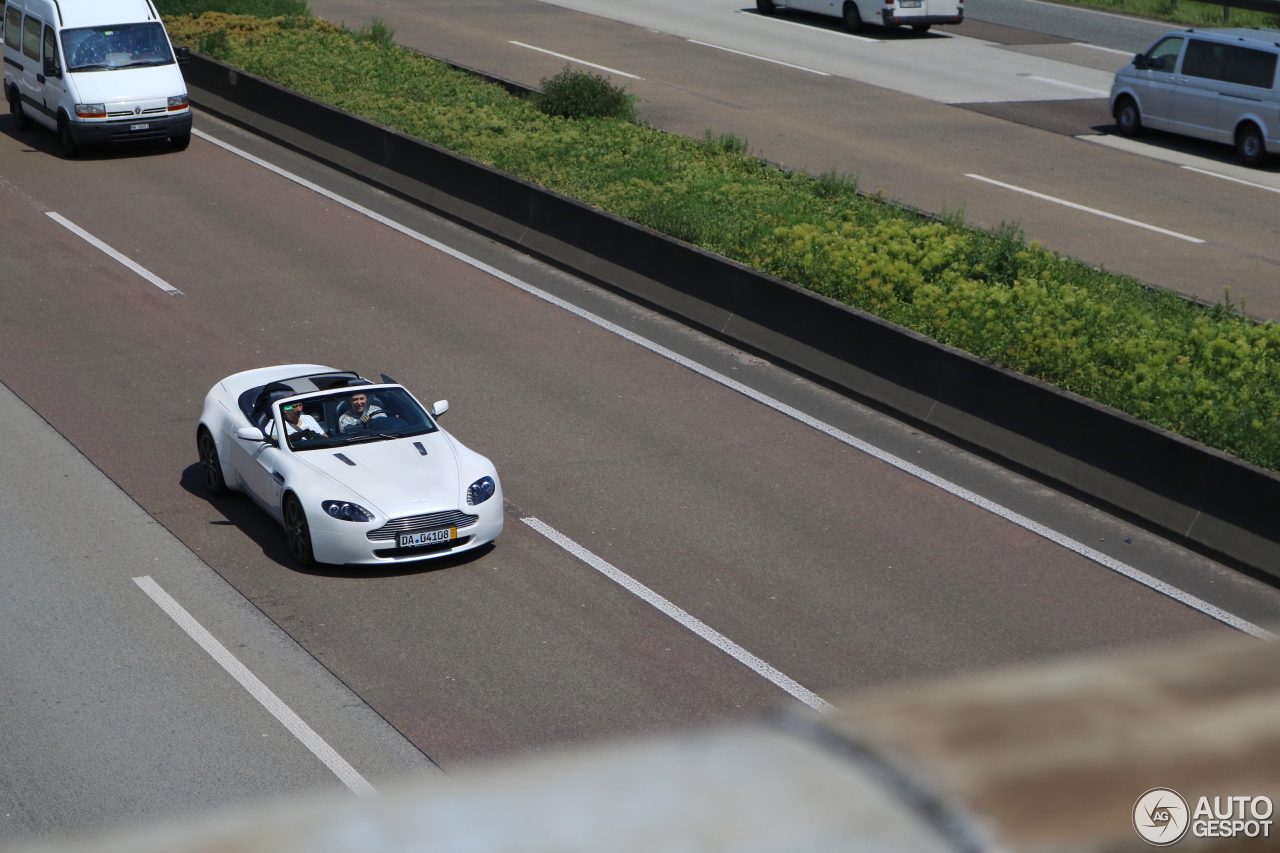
{"points": [[297, 422], [360, 412]]}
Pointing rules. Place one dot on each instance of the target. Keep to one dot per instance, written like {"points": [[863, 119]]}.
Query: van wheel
{"points": [[19, 113], [921, 29], [181, 141], [1250, 146], [852, 17], [69, 146], [765, 7], [1128, 118]]}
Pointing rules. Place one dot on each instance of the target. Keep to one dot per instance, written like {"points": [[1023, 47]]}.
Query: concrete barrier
{"points": [[1192, 493]]}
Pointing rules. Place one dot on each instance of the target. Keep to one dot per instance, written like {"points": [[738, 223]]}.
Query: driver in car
{"points": [[360, 413], [297, 422]]}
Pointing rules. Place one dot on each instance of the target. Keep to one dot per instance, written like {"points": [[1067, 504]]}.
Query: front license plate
{"points": [[142, 126], [430, 537]]}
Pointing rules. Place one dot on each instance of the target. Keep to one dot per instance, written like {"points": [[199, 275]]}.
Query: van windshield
{"points": [[114, 47]]}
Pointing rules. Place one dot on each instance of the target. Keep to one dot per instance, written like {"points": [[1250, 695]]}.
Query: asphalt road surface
{"points": [[827, 564], [1004, 117]]}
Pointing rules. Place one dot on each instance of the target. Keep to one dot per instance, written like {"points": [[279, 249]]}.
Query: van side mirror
{"points": [[51, 68], [1140, 61], [183, 54], [439, 407]]}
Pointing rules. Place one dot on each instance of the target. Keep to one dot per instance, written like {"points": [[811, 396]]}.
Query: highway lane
{"points": [[828, 564], [112, 715], [913, 118]]}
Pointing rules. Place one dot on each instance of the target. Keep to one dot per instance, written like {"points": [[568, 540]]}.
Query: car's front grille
{"points": [[414, 523]]}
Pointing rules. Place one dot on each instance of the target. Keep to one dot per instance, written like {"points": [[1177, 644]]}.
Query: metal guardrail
{"points": [[1268, 6]]}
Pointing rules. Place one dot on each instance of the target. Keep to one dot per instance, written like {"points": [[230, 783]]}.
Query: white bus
{"points": [[920, 15]]}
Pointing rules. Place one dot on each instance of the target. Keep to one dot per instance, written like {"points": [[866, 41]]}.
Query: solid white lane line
{"points": [[1233, 180], [1094, 211], [1092, 91], [1100, 47], [780, 407], [282, 712], [89, 238], [809, 27], [761, 58], [715, 638], [574, 59]]}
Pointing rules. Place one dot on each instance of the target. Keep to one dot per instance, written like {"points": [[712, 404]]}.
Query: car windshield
{"points": [[114, 47], [351, 416]]}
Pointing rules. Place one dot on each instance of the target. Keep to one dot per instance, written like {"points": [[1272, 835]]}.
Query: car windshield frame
{"points": [[116, 47], [398, 415]]}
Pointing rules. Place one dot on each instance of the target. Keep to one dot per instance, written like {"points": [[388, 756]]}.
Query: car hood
{"points": [[128, 84], [393, 476]]}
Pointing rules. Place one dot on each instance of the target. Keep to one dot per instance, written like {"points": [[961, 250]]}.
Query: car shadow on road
{"points": [[1218, 152], [240, 511], [836, 25]]}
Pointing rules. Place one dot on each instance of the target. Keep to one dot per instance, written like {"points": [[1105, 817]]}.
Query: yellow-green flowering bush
{"points": [[1203, 372]]}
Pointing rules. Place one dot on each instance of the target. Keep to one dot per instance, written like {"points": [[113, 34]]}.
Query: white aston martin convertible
{"points": [[356, 471]]}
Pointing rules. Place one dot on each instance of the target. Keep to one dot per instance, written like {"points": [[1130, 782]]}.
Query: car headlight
{"points": [[347, 511], [178, 102], [480, 491], [91, 110]]}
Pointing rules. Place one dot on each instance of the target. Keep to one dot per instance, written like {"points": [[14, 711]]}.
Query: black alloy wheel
{"points": [[210, 465], [1250, 146], [1128, 118], [19, 113], [852, 17], [297, 532], [765, 7]]}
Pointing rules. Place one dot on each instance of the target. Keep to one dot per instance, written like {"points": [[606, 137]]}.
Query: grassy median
{"points": [[1181, 12], [1206, 373]]}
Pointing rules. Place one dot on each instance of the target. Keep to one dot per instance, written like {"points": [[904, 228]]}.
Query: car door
{"points": [[55, 86], [1247, 90], [255, 464], [1195, 97], [1154, 84], [32, 76]]}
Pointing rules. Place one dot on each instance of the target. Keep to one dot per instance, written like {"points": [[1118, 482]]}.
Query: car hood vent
{"points": [[344, 458]]}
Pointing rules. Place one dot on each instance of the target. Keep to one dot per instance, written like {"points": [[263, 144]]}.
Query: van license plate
{"points": [[910, 4], [143, 126], [411, 540]]}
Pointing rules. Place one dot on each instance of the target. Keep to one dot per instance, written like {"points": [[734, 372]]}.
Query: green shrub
{"points": [[1208, 374], [378, 32], [579, 94], [258, 8]]}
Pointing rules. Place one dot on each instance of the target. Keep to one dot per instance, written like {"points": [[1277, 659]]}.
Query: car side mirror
{"points": [[439, 407], [51, 68], [250, 434], [183, 54], [1140, 61]]}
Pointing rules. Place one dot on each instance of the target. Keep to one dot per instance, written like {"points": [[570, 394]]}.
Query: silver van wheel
{"points": [[1128, 119], [20, 117], [1250, 146]]}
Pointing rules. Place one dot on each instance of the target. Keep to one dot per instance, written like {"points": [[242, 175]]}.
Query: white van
{"points": [[920, 15], [94, 71], [1215, 84]]}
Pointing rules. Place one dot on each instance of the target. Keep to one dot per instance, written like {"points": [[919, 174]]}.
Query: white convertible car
{"points": [[363, 473]]}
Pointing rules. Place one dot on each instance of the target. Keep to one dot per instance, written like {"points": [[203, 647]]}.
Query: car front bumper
{"points": [[158, 127], [355, 547]]}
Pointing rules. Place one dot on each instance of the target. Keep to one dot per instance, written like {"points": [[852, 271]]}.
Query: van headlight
{"points": [[347, 511], [178, 102], [91, 110], [480, 491]]}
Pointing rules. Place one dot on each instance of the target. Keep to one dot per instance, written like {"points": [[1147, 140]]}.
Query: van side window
{"points": [[1164, 56], [1249, 67], [1205, 59], [31, 38], [51, 46], [13, 27]]}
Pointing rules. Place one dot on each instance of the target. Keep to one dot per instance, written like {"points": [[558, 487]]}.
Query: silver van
{"points": [[1217, 84]]}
